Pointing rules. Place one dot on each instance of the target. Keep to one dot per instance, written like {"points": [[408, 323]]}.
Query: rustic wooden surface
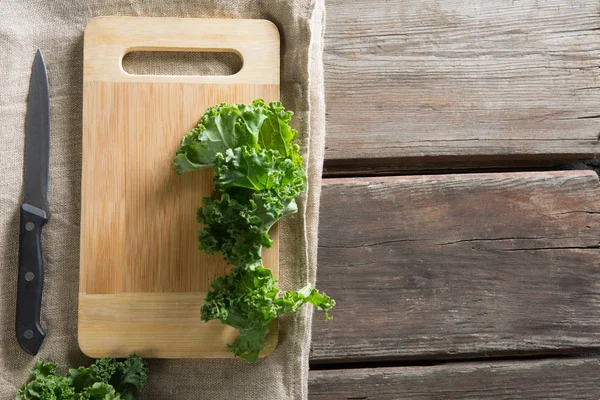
{"points": [[544, 379], [430, 268], [140, 269], [412, 82], [450, 266]]}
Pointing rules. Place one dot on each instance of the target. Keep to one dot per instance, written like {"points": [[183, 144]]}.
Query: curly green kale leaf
{"points": [[229, 126], [46, 384], [225, 126], [233, 229], [105, 368], [258, 169], [106, 379], [81, 378], [259, 187], [277, 134], [258, 175], [240, 230], [127, 377], [130, 377], [100, 391], [248, 299]]}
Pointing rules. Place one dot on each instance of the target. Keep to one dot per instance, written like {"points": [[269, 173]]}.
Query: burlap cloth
{"points": [[57, 27]]}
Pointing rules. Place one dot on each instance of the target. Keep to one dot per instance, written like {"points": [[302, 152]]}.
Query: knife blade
{"points": [[34, 211]]}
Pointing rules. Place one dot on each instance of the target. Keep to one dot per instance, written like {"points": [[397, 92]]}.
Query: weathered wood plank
{"points": [[546, 379], [419, 79], [449, 266]]}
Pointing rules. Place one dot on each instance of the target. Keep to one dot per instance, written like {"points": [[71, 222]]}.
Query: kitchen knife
{"points": [[34, 210]]}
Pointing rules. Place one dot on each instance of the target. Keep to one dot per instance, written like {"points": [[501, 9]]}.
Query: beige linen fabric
{"points": [[56, 27]]}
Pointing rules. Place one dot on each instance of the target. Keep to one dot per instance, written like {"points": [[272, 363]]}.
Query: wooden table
{"points": [[457, 237]]}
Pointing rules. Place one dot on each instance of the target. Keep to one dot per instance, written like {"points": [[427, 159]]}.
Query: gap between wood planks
{"points": [[425, 362], [454, 165]]}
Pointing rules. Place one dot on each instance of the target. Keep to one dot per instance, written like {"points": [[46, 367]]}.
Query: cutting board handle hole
{"points": [[196, 63]]}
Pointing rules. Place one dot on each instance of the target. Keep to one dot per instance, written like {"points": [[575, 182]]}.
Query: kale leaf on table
{"points": [[258, 174], [106, 379]]}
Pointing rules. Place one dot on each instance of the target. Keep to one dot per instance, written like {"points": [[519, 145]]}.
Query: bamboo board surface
{"points": [[142, 278]]}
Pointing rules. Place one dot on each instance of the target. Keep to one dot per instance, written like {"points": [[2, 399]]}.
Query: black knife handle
{"points": [[30, 334]]}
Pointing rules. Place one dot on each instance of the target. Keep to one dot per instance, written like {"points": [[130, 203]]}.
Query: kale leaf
{"points": [[248, 299], [130, 377], [258, 188], [46, 384], [258, 174], [106, 379], [224, 126], [100, 391]]}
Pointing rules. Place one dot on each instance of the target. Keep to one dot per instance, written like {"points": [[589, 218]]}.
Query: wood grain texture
{"points": [[139, 249], [412, 79], [149, 321], [108, 39], [453, 266], [138, 218], [545, 379]]}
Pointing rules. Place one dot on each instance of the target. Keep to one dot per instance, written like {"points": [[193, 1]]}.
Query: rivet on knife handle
{"points": [[30, 333]]}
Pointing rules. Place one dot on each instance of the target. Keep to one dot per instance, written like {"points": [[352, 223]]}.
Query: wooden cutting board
{"points": [[143, 279]]}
